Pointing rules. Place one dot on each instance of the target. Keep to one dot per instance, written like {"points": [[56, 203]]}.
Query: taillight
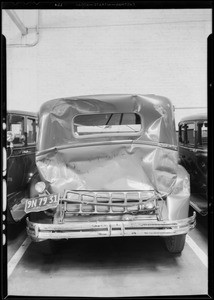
{"points": [[40, 187]]}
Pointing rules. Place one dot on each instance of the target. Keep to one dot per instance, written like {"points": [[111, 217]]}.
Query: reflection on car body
{"points": [[21, 144], [193, 156], [108, 166]]}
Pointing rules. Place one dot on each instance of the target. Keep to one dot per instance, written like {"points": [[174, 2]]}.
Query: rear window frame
{"points": [[108, 134]]}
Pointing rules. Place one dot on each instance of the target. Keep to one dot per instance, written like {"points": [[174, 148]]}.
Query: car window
{"points": [[16, 126], [107, 123], [31, 131], [190, 134], [202, 134], [181, 133], [37, 130]]}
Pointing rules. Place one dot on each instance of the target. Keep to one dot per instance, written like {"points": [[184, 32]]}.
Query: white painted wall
{"points": [[83, 52]]}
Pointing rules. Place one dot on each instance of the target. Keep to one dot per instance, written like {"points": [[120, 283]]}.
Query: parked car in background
{"points": [[193, 156], [108, 166], [21, 143]]}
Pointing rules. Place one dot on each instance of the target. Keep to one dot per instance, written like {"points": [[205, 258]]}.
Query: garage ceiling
{"points": [[50, 19]]}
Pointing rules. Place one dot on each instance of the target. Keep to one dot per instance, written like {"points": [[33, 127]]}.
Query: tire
{"points": [[175, 243], [46, 247], [49, 247]]}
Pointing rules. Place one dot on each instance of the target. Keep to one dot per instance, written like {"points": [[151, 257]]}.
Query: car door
{"points": [[201, 157], [20, 161], [30, 148], [187, 147], [15, 161]]}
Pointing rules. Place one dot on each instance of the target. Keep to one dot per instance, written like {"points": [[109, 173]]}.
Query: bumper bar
{"points": [[40, 232]]}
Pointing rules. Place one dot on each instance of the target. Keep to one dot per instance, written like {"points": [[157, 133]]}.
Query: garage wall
{"points": [[84, 52]]}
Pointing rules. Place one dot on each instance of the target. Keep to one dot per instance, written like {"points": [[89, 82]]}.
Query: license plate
{"points": [[41, 203]]}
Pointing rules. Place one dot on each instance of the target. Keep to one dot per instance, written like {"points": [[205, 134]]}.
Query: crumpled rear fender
{"points": [[177, 203], [15, 206], [16, 201]]}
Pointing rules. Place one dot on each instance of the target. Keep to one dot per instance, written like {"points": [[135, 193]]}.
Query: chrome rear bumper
{"points": [[40, 232]]}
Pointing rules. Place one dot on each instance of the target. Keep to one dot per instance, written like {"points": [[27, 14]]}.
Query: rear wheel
{"points": [[50, 247], [46, 247], [175, 243]]}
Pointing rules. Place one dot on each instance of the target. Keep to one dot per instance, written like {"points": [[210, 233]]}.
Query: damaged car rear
{"points": [[107, 167]]}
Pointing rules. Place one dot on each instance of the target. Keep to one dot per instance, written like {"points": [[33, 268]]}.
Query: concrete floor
{"points": [[108, 267]]}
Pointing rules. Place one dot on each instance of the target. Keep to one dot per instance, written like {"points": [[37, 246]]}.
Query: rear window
{"points": [[107, 123]]}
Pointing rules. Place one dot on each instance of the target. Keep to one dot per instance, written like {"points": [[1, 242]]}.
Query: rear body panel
{"points": [[104, 178]]}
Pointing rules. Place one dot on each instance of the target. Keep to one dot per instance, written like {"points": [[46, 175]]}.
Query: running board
{"points": [[199, 204]]}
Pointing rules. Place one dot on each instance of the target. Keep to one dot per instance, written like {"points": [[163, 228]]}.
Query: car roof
{"points": [[118, 102], [56, 118], [195, 117], [23, 113]]}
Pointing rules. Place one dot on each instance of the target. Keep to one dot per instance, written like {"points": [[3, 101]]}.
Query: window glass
{"points": [[202, 134], [107, 123], [31, 131], [181, 133], [16, 126], [190, 134], [37, 131]]}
